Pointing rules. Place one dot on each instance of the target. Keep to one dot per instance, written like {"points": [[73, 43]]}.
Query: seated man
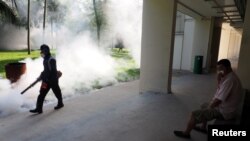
{"points": [[224, 103]]}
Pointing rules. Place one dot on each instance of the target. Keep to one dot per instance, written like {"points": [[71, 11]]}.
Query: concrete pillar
{"points": [[243, 64], [214, 44], [158, 29]]}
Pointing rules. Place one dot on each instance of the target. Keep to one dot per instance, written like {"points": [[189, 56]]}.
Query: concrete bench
{"points": [[245, 119]]}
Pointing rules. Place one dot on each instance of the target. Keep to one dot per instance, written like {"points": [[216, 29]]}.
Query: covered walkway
{"points": [[115, 113]]}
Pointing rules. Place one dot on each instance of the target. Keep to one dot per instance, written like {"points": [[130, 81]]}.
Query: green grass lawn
{"points": [[126, 72], [14, 56]]}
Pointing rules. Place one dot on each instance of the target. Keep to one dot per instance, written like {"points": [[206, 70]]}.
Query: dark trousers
{"points": [[45, 87]]}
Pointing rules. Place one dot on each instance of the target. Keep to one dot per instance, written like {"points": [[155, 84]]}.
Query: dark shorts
{"points": [[204, 114]]}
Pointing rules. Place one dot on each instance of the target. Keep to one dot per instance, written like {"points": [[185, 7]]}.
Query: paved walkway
{"points": [[117, 113]]}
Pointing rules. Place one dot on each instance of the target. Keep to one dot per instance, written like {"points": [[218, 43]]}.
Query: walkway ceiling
{"points": [[231, 11]]}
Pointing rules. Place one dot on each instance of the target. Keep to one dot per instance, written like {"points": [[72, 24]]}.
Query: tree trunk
{"points": [[44, 18], [52, 37], [98, 25], [28, 28], [14, 4]]}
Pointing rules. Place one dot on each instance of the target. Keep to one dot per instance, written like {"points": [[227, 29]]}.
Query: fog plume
{"points": [[85, 64]]}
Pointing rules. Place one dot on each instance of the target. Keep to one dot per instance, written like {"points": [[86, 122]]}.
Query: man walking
{"points": [[49, 78]]}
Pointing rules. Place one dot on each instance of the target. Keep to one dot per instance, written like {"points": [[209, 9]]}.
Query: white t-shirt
{"points": [[230, 94]]}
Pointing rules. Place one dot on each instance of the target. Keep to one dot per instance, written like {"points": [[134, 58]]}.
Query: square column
{"points": [[244, 58], [158, 32]]}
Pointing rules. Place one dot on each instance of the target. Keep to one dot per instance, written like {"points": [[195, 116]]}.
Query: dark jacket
{"points": [[49, 74]]}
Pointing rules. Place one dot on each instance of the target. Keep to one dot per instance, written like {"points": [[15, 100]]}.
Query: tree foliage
{"points": [[56, 11], [7, 13]]}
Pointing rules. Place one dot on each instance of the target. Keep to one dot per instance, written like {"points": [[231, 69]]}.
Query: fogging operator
{"points": [[49, 78]]}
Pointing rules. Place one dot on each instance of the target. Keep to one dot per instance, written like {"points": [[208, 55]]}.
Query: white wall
{"points": [[178, 47], [184, 45], [188, 44], [230, 44], [201, 40], [194, 42]]}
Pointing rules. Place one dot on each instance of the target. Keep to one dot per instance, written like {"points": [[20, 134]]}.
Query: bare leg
{"points": [[190, 125]]}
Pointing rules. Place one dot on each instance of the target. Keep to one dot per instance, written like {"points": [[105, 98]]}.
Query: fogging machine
{"points": [[59, 74]]}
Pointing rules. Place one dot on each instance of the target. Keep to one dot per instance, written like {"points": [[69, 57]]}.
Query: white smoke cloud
{"points": [[83, 63], [125, 18], [12, 37], [10, 100]]}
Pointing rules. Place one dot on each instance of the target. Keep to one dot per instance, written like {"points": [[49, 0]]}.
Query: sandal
{"points": [[182, 134]]}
